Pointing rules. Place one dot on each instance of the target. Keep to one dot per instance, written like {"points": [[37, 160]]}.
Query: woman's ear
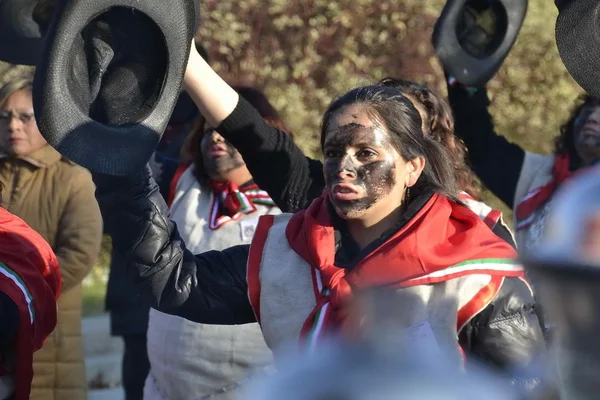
{"points": [[414, 167]]}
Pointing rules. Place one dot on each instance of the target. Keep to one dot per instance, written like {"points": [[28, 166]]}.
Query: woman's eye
{"points": [[366, 154], [331, 153]]}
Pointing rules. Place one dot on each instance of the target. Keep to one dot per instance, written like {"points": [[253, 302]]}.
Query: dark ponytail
{"points": [[439, 125]]}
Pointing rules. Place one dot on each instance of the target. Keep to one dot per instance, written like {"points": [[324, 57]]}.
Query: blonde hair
{"points": [[12, 87]]}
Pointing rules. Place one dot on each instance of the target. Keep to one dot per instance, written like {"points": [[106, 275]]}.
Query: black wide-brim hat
{"points": [[473, 37], [109, 76], [20, 37], [578, 41]]}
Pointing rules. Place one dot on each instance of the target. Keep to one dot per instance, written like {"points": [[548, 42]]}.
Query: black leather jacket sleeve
{"points": [[495, 160], [276, 163], [507, 335], [207, 288]]}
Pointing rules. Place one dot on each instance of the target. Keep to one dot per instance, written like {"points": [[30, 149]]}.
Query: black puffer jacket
{"points": [[211, 287]]}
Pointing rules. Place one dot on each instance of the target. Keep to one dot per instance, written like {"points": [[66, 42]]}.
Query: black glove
{"points": [[114, 190]]}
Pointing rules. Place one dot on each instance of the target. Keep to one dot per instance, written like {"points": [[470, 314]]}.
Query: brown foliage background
{"points": [[303, 53]]}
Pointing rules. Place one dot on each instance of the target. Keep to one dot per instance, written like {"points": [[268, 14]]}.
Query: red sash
{"points": [[443, 241], [532, 201], [231, 202]]}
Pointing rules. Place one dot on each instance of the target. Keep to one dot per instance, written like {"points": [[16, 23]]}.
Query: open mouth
{"points": [[217, 150], [345, 192]]}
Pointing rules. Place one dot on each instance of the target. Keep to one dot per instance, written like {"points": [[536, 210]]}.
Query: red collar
{"points": [[532, 201], [441, 234], [432, 247]]}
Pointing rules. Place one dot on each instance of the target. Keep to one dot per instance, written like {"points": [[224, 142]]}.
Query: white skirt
{"points": [[190, 360]]}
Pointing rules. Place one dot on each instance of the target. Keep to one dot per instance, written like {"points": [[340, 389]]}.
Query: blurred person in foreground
{"points": [[56, 198], [386, 360], [30, 284], [566, 263]]}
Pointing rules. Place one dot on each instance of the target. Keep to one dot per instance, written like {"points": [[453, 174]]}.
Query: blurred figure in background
{"points": [[56, 198], [525, 181], [216, 205]]}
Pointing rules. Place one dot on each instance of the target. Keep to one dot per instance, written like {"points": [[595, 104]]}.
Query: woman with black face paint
{"points": [[215, 204], [293, 181], [389, 216], [523, 180]]}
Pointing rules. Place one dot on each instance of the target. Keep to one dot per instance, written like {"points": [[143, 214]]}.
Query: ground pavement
{"points": [[103, 355]]}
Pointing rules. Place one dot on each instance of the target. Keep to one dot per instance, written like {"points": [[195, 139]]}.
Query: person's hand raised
{"points": [[215, 99]]}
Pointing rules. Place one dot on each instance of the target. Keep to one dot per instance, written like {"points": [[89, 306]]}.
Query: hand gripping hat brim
{"points": [[109, 77], [578, 41], [473, 37]]}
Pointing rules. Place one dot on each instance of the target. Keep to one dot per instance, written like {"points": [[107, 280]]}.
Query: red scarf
{"points": [[443, 241], [231, 202], [528, 205]]}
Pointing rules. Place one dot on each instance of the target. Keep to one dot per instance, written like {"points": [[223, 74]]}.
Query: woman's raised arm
{"points": [[276, 163], [212, 95]]}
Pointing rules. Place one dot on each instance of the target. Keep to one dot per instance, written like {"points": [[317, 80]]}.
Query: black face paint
{"points": [[587, 139], [375, 178], [587, 135], [230, 160]]}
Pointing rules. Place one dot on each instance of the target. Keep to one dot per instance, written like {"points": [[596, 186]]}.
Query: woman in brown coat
{"points": [[56, 198]]}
